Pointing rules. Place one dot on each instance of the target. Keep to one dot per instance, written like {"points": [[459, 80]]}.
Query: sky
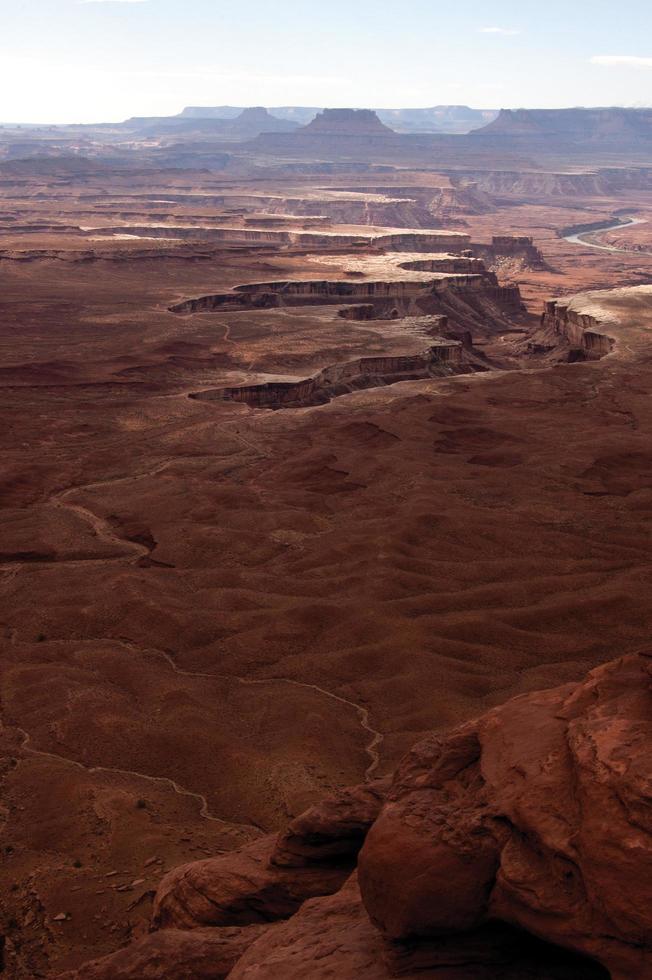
{"points": [[106, 60]]}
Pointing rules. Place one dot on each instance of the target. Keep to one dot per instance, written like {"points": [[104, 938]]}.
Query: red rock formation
{"points": [[239, 888], [333, 937], [537, 815], [443, 358], [517, 846], [449, 205], [332, 830]]}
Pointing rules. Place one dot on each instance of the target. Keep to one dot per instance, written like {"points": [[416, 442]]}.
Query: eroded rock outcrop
{"points": [[450, 205], [411, 294], [442, 358], [333, 937], [240, 888], [538, 815], [581, 332], [516, 847], [520, 247]]}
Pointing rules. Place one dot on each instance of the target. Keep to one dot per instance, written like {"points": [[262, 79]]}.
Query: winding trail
{"points": [[165, 780], [103, 531], [371, 748], [100, 526]]}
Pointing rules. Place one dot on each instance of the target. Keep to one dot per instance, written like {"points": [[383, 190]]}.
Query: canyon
{"points": [[324, 548]]}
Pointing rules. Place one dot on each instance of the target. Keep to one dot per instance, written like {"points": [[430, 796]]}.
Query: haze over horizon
{"points": [[83, 61]]}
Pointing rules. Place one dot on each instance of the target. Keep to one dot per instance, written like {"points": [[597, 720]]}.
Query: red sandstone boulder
{"points": [[332, 938], [270, 878], [239, 888], [329, 937], [538, 814], [203, 954], [332, 830]]}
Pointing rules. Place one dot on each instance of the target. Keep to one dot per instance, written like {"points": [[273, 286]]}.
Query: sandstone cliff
{"points": [[438, 360], [583, 334]]}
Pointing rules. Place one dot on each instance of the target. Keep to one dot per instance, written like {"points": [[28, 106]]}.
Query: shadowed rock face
{"points": [[443, 358], [517, 846], [412, 296], [583, 333]]}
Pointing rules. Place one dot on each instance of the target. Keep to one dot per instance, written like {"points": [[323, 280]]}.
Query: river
{"points": [[580, 237]]}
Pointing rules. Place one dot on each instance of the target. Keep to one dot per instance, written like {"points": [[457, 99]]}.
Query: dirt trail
{"points": [[204, 811], [371, 748]]}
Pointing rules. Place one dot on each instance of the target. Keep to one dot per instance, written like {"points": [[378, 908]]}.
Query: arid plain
{"points": [[255, 543]]}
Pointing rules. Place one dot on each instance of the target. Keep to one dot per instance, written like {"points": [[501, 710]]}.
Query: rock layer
{"points": [[438, 360], [583, 333]]}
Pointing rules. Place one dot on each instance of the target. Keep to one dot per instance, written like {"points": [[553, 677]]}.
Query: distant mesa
{"points": [[297, 114], [247, 124], [347, 122], [435, 119], [258, 119], [599, 125]]}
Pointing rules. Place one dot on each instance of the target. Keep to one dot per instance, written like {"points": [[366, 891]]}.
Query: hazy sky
{"points": [[104, 60]]}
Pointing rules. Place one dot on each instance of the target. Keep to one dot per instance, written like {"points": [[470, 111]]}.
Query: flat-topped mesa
{"points": [[256, 113], [520, 247], [439, 294], [613, 124], [510, 242], [346, 122], [333, 135], [582, 334], [458, 264], [445, 357], [412, 240]]}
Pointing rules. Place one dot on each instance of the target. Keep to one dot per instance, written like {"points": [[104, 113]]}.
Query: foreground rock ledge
{"points": [[517, 846]]}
